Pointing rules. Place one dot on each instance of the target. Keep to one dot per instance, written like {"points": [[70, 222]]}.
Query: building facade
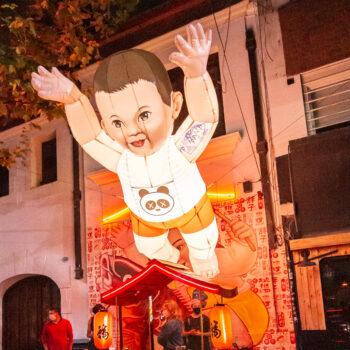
{"points": [[37, 237], [282, 74], [226, 166], [300, 86]]}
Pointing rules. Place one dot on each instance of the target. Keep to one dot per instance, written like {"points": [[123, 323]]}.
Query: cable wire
{"points": [[234, 88]]}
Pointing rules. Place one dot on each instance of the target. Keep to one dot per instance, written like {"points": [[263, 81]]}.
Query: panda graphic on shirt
{"points": [[156, 203]]}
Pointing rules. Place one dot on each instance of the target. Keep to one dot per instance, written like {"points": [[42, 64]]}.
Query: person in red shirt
{"points": [[57, 333]]}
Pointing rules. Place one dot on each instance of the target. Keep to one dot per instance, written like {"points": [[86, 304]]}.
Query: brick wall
{"points": [[315, 33]]}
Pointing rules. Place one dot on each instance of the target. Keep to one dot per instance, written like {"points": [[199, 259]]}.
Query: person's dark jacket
{"points": [[194, 342], [170, 335]]}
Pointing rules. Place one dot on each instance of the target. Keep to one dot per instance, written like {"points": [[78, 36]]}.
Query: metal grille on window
{"points": [[327, 97]]}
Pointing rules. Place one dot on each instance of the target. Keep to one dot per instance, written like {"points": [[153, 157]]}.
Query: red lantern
{"points": [[221, 327], [103, 326]]}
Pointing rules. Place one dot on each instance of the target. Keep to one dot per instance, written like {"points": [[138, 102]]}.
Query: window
{"points": [[327, 97], [177, 80], [4, 181], [48, 161]]}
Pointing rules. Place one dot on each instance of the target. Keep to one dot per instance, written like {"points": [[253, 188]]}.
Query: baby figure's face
{"points": [[136, 117]]}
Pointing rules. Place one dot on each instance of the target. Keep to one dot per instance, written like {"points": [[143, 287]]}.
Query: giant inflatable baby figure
{"points": [[157, 170]]}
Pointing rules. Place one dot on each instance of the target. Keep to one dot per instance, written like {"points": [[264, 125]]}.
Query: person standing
{"points": [[194, 331], [57, 333], [170, 336]]}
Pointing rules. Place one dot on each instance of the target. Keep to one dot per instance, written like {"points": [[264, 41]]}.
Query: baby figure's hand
{"points": [[242, 233], [193, 54], [54, 86], [122, 235]]}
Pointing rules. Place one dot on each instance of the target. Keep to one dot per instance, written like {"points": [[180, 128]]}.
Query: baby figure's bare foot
{"points": [[207, 268]]}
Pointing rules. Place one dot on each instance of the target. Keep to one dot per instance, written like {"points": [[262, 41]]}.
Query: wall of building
{"points": [[36, 223], [284, 106], [35, 244], [315, 33], [284, 111]]}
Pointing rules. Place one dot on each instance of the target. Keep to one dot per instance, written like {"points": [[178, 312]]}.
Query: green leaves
{"points": [[51, 33]]}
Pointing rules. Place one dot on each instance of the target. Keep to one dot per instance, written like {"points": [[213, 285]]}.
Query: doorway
{"points": [[25, 306], [335, 278]]}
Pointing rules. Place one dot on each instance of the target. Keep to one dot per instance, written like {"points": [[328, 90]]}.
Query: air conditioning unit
{"points": [[319, 168]]}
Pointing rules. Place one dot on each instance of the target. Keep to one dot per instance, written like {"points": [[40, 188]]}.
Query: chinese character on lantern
{"points": [[103, 330]]}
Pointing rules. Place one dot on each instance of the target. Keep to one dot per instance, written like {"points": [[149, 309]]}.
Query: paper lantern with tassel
{"points": [[221, 327], [103, 326]]}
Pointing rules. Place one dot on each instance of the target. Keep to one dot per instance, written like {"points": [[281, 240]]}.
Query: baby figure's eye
{"points": [[144, 115], [117, 123]]}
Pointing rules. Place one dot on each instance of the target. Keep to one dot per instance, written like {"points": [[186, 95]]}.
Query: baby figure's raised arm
{"points": [[192, 56], [81, 116]]}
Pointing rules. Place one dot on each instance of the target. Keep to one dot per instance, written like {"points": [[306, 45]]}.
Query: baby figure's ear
{"points": [[176, 102], [103, 125]]}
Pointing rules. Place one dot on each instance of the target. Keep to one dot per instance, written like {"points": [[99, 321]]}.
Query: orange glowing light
{"points": [[221, 327], [214, 196], [222, 196], [117, 215], [103, 330]]}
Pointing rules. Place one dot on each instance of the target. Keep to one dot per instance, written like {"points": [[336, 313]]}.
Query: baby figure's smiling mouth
{"points": [[138, 143]]}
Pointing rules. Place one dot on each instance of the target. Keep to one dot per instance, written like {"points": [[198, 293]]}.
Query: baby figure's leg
{"points": [[201, 235], [157, 247], [201, 246], [153, 242]]}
